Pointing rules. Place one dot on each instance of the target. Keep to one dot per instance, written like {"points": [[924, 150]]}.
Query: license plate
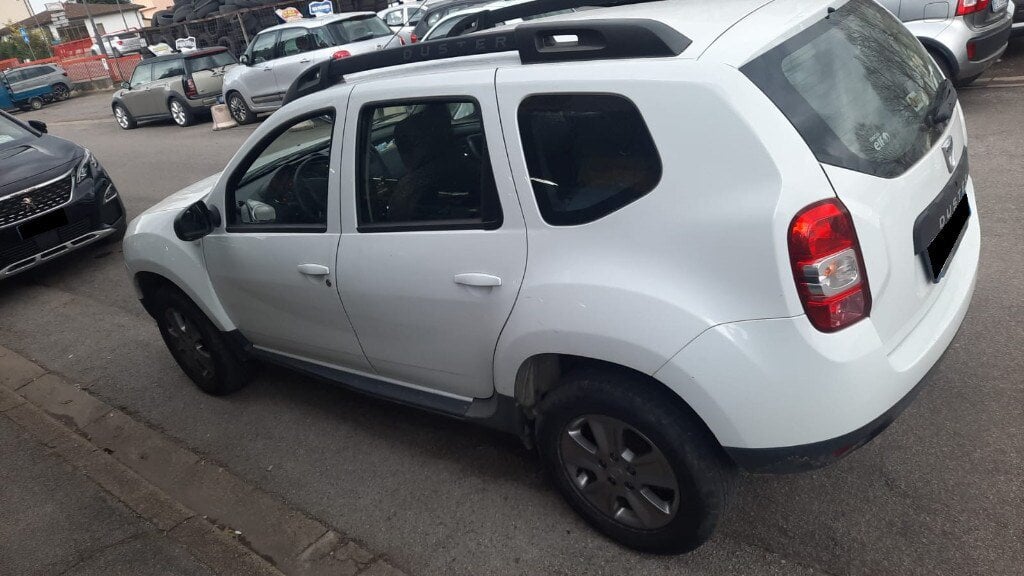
{"points": [[939, 228], [999, 5], [43, 224]]}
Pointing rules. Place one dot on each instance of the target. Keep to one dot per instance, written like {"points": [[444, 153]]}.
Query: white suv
{"points": [[277, 55], [660, 241]]}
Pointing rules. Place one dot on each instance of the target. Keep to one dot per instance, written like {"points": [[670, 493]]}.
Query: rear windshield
{"points": [[858, 87], [358, 29], [210, 61]]}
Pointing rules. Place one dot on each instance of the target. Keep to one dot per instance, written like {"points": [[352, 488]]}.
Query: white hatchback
{"points": [[660, 242], [276, 56]]}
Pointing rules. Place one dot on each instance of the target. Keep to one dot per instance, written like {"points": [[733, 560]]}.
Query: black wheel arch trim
{"points": [[935, 46]]}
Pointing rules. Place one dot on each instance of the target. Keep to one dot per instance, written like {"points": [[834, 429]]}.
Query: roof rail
{"points": [[491, 17], [559, 41]]}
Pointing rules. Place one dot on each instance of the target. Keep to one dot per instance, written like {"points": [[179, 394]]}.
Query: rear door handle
{"points": [[305, 61], [476, 279], [314, 269]]}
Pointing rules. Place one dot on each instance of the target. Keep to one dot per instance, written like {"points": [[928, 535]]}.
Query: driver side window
{"points": [[283, 185]]}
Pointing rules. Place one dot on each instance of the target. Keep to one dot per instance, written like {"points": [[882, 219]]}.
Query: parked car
{"points": [[277, 55], [444, 26], [55, 197], [401, 19], [32, 77], [179, 86], [30, 99], [434, 11], [1017, 29], [656, 240], [121, 43], [965, 37]]}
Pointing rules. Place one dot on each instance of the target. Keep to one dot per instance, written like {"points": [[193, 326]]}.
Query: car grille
{"points": [[27, 248], [22, 205]]}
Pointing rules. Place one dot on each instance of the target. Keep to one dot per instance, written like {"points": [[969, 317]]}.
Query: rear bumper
{"points": [[781, 396], [989, 45]]}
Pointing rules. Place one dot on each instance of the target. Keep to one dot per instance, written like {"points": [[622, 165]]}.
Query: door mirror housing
{"points": [[243, 59], [38, 125], [196, 221]]}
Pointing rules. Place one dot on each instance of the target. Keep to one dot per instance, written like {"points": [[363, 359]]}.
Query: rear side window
{"points": [[588, 155], [358, 29], [858, 87], [210, 61], [168, 69]]}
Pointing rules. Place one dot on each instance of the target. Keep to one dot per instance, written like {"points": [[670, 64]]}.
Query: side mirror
{"points": [[38, 125], [126, 85], [243, 59], [196, 221]]}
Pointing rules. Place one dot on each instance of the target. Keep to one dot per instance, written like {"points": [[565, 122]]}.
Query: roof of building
{"points": [[76, 11]]}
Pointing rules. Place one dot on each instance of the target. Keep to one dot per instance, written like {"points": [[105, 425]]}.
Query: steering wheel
{"points": [[310, 186]]}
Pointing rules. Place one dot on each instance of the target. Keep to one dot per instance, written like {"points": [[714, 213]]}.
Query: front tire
{"points": [[200, 349], [633, 460], [123, 117], [240, 111], [180, 113]]}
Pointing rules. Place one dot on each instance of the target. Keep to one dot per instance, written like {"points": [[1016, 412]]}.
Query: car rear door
{"points": [[886, 128], [433, 246], [260, 80], [297, 48]]}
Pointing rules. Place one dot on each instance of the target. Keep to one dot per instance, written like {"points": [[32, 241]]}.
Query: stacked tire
{"points": [[190, 10]]}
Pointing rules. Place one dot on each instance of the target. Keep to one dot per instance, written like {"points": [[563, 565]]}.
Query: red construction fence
{"points": [[77, 59]]}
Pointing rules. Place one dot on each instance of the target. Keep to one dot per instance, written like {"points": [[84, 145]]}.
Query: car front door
{"points": [[433, 247], [272, 265], [135, 98], [260, 80]]}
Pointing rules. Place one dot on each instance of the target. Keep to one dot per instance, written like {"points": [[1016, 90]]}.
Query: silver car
{"points": [[277, 55], [964, 37], [178, 86], [32, 77]]}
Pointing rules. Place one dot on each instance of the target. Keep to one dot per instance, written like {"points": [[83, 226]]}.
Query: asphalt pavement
{"points": [[938, 493]]}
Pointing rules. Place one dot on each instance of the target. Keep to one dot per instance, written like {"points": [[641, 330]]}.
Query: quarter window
{"points": [[284, 187], [424, 166], [588, 155]]}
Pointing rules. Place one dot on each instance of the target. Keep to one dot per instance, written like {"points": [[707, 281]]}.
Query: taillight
{"points": [[965, 7], [190, 88], [340, 54], [828, 266], [413, 38]]}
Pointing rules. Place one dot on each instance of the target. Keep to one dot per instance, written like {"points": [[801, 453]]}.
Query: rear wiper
{"points": [[943, 104]]}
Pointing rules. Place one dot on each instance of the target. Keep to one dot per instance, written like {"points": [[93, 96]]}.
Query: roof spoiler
{"points": [[565, 41]]}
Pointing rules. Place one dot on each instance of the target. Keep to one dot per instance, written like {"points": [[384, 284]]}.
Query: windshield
{"points": [[210, 61], [11, 130], [858, 87], [358, 29]]}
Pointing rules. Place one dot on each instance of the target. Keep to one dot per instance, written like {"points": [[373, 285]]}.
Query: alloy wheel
{"points": [[178, 113], [619, 471], [238, 109], [61, 92], [187, 343], [121, 116]]}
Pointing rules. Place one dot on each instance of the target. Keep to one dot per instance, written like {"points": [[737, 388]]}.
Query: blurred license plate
{"points": [[999, 5], [940, 251]]}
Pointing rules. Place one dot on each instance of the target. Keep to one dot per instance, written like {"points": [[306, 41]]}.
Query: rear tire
{"points": [[240, 111], [180, 113], [61, 92], [35, 104], [200, 349], [660, 487], [943, 64]]}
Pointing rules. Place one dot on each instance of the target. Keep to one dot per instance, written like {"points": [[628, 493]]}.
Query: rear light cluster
{"points": [[828, 266], [340, 54], [190, 88], [965, 7]]}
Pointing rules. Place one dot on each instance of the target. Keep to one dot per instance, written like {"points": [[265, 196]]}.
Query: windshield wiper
{"points": [[943, 104]]}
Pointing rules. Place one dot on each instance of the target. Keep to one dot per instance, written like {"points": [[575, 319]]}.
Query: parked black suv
{"points": [[54, 197]]}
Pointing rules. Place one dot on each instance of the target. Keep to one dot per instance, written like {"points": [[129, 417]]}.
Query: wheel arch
{"points": [[541, 373], [937, 48]]}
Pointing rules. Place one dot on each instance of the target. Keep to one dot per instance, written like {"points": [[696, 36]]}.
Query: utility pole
{"points": [[95, 33], [121, 12], [35, 19]]}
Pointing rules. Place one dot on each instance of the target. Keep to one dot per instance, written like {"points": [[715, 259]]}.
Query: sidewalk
{"points": [[86, 489]]}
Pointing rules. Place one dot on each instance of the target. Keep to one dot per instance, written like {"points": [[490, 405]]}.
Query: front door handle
{"points": [[314, 269], [305, 61], [476, 279]]}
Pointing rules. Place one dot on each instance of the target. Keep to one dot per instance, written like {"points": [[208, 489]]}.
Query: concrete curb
{"points": [[228, 524]]}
